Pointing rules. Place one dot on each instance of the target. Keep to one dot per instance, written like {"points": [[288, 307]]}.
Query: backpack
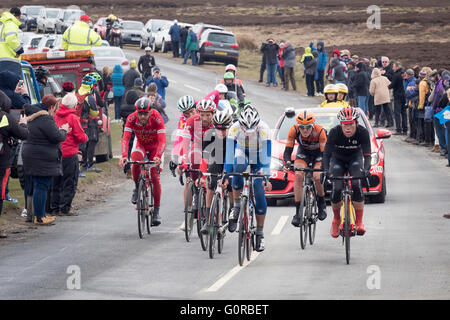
{"points": [[80, 103]]}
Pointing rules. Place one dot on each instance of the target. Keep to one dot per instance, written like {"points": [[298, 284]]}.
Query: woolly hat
{"points": [[67, 86]]}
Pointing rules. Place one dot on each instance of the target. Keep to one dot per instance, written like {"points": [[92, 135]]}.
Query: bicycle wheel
{"points": [[188, 214], [303, 217], [150, 206], [249, 239], [347, 230], [202, 218], [313, 219], [141, 204], [213, 225], [224, 213], [242, 231]]}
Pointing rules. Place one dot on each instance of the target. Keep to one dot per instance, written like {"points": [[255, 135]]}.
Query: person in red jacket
{"points": [[64, 187]]}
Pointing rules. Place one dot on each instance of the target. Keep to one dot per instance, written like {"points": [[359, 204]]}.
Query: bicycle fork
{"points": [[351, 216]]}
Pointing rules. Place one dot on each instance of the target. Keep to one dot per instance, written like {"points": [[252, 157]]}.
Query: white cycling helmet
{"points": [[148, 49], [221, 88], [185, 103], [230, 67], [222, 119], [249, 118], [206, 105]]}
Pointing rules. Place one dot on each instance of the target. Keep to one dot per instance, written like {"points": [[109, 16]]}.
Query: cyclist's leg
{"points": [[212, 168], [260, 208], [240, 165], [322, 206], [298, 187], [156, 184], [357, 196], [337, 168], [137, 154]]}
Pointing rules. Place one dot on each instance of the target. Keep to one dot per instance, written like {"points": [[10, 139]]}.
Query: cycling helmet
{"points": [[88, 80], [330, 88], [342, 88], [148, 49], [249, 118], [348, 115], [112, 17], [96, 76], [230, 67], [222, 119], [305, 117], [221, 88], [206, 105], [185, 103], [143, 104], [41, 72], [228, 76]]}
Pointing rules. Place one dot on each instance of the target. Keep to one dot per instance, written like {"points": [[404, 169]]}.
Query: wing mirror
{"points": [[383, 134]]}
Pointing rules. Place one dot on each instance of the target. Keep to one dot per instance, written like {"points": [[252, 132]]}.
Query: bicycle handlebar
{"points": [[307, 169], [244, 174]]}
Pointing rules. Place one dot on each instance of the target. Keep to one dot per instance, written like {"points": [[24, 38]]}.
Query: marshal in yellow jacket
{"points": [[80, 37]]}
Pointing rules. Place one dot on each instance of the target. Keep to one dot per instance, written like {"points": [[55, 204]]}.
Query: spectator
{"points": [[107, 93], [335, 54], [289, 64], [349, 76], [118, 89], [67, 87], [280, 62], [191, 47], [137, 90], [42, 156], [130, 75], [64, 186], [9, 128], [9, 84], [380, 92], [161, 82], [438, 93], [183, 38], [79, 36], [411, 96], [270, 48], [360, 85], [309, 64], [321, 65], [370, 103], [425, 130], [158, 101], [263, 66], [337, 68], [386, 69], [174, 33], [355, 59], [401, 122], [41, 74], [146, 63], [10, 46], [345, 56]]}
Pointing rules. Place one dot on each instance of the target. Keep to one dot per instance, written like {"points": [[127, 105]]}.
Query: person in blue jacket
{"points": [[175, 35], [320, 70], [9, 84], [118, 90], [160, 81]]}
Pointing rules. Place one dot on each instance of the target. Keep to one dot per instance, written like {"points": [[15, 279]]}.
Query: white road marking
{"points": [[193, 88], [230, 274], [281, 222]]}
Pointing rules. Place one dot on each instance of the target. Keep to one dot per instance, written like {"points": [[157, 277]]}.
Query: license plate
{"points": [[221, 53], [135, 39]]}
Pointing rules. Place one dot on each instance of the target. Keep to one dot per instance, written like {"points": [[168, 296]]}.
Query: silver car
{"points": [[131, 31], [110, 56], [218, 45], [46, 21], [148, 32]]}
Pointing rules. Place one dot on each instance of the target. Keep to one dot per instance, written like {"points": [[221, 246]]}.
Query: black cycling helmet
{"points": [[143, 104], [41, 72]]}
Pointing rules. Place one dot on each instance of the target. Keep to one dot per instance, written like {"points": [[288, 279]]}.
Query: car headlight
{"points": [[374, 158], [276, 164]]}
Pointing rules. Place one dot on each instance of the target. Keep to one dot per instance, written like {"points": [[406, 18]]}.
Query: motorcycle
{"points": [[116, 36]]}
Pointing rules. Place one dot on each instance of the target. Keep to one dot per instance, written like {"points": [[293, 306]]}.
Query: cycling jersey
{"points": [[214, 96], [177, 150], [195, 132], [313, 145]]}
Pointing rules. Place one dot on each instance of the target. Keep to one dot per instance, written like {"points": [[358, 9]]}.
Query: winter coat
{"points": [[191, 42], [8, 83], [183, 35], [41, 151], [360, 84], [379, 88], [271, 52], [70, 146], [310, 63], [145, 64], [10, 45], [9, 128], [280, 57], [117, 81], [397, 85], [438, 93], [323, 56], [161, 84], [128, 78], [80, 36], [174, 32], [289, 56], [338, 68]]}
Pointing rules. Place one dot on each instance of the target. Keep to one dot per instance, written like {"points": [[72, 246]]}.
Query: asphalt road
{"points": [[404, 254]]}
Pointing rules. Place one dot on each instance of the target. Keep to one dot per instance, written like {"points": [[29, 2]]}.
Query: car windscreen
{"points": [[72, 15], [108, 53], [326, 120], [132, 25], [35, 42], [52, 13], [158, 24], [33, 11], [60, 78], [50, 43], [221, 37]]}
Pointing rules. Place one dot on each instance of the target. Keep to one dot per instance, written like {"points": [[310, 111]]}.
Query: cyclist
{"points": [[221, 120], [197, 127], [311, 139], [237, 82], [347, 145], [150, 137], [228, 81], [342, 94], [186, 105], [330, 92], [248, 143]]}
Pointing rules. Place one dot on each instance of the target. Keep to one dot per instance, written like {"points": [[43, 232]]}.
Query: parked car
{"points": [[218, 45], [32, 43], [46, 21], [50, 42], [110, 56], [67, 18], [24, 37], [326, 117], [161, 39], [29, 16], [131, 31], [200, 27], [105, 43], [150, 28]]}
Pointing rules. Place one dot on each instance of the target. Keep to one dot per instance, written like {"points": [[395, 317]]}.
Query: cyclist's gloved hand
{"points": [[287, 166], [172, 165], [126, 167]]}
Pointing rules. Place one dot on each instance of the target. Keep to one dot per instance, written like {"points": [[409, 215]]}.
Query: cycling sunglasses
{"points": [[142, 113], [305, 127]]}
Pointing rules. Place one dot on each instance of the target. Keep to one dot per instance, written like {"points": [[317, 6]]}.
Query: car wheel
{"points": [[141, 44], [200, 59], [381, 197], [27, 27], [154, 48], [271, 202], [164, 46]]}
